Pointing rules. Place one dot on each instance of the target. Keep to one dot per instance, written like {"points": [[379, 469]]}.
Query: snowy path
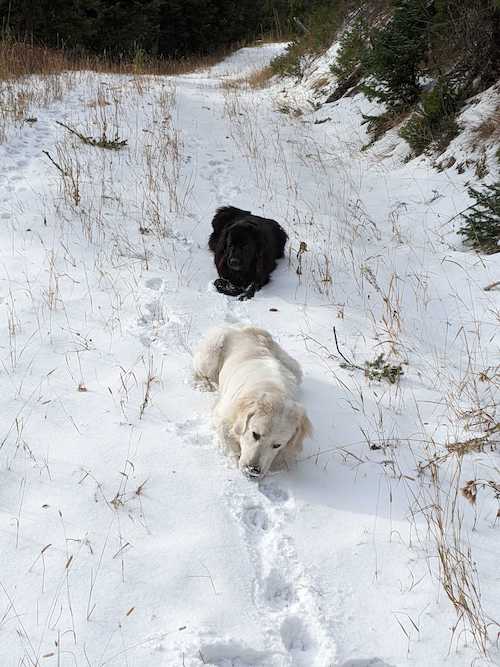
{"points": [[127, 538]]}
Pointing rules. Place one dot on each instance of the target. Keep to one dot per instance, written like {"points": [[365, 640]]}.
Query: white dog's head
{"points": [[265, 426]]}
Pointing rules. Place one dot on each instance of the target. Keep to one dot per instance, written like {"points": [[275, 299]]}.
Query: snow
{"points": [[128, 538]]}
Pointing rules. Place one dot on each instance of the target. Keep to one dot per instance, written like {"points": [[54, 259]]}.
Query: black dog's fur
{"points": [[245, 248]]}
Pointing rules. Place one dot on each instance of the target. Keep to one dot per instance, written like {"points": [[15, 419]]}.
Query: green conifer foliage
{"points": [[482, 220], [396, 53]]}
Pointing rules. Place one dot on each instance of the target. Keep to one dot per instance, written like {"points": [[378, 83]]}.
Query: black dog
{"points": [[245, 249]]}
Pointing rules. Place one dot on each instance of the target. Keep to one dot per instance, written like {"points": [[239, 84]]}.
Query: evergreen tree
{"points": [[125, 26], [396, 53], [482, 220], [49, 22], [165, 27]]}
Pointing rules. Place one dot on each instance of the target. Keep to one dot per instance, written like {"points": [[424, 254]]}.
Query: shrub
{"points": [[322, 24], [377, 126], [288, 63], [352, 47], [434, 124], [464, 42], [421, 135], [454, 42], [379, 369], [482, 219]]}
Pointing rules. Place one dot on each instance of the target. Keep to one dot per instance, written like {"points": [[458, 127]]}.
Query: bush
{"points": [[288, 63], [379, 369], [451, 41], [322, 24], [434, 124], [482, 219], [352, 47], [377, 126], [464, 41]]}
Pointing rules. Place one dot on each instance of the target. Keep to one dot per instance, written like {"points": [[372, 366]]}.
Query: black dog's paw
{"points": [[225, 287], [248, 293]]}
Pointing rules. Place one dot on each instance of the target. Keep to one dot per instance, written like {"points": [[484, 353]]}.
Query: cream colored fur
{"points": [[257, 382]]}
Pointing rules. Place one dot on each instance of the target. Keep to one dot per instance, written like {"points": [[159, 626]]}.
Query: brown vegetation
{"points": [[18, 59]]}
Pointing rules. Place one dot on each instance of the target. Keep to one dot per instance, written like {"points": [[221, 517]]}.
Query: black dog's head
{"points": [[241, 247]]}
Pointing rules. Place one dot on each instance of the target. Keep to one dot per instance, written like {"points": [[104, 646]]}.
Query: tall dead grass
{"points": [[18, 59], [489, 128]]}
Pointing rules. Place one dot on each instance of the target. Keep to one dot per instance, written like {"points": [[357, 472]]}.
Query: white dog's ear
{"points": [[304, 430], [245, 409]]}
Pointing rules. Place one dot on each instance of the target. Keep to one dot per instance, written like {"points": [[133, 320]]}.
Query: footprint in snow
{"points": [[154, 283], [256, 519], [273, 493], [297, 640], [198, 431], [278, 593], [235, 654]]}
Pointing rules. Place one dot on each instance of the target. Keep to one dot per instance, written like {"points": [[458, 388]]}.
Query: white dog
{"points": [[256, 415]]}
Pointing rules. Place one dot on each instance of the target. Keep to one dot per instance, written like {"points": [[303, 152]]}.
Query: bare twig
{"points": [[55, 163], [103, 142], [349, 363]]}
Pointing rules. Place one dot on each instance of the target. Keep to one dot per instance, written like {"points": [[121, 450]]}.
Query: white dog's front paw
{"points": [[203, 384]]}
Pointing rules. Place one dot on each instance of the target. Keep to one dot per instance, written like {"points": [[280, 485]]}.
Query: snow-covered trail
{"points": [[127, 540], [126, 537]]}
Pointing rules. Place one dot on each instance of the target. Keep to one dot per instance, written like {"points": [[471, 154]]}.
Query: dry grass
{"points": [[260, 78], [378, 126], [18, 59], [163, 179], [474, 444], [457, 571], [489, 128], [320, 83]]}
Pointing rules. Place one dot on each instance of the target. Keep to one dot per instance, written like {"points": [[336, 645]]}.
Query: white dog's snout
{"points": [[252, 471]]}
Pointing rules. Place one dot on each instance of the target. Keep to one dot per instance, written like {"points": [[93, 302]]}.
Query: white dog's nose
{"points": [[253, 471]]}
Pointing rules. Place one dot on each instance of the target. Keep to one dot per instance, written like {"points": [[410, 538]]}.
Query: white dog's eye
{"points": [[256, 435], [276, 446]]}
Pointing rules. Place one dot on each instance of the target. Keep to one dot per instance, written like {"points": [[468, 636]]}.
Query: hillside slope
{"points": [[127, 536]]}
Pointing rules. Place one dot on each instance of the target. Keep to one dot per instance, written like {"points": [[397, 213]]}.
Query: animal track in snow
{"points": [[295, 636], [153, 313], [256, 519], [278, 592], [234, 654], [158, 323], [197, 430], [274, 493], [154, 283], [220, 181], [283, 593]]}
